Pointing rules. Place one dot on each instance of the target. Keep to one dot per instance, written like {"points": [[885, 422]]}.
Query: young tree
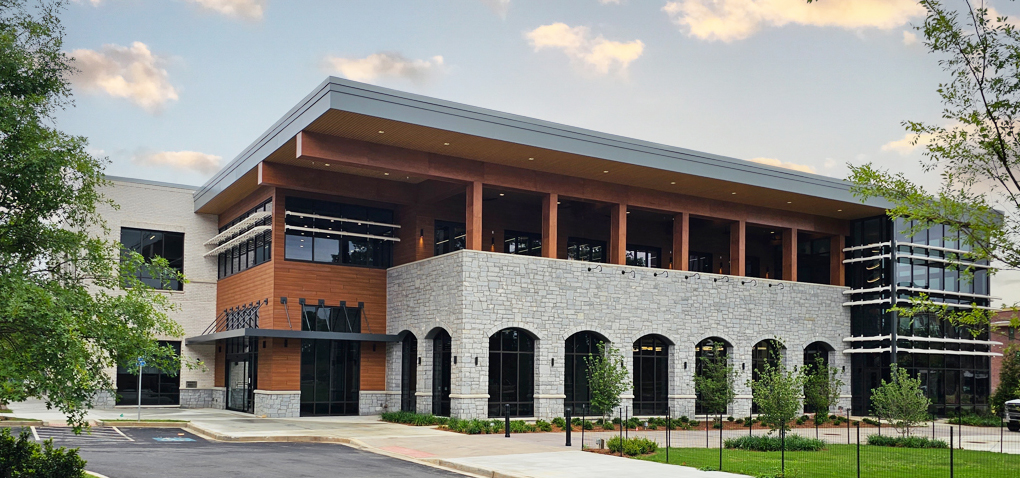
{"points": [[777, 394], [71, 305], [900, 401], [821, 386], [607, 379], [1009, 379], [714, 382]]}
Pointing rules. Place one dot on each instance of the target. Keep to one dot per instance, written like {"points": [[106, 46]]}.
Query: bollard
{"points": [[582, 424], [506, 422], [569, 425]]}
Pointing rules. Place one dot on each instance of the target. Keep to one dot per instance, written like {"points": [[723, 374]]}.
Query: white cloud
{"points": [[909, 38], [134, 73], [251, 10], [783, 164], [907, 144], [499, 6], [386, 64], [577, 43], [607, 2], [730, 20], [95, 3], [187, 160]]}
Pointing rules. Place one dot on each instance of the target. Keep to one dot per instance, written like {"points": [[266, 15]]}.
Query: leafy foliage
{"points": [[793, 442], [821, 386], [714, 382], [777, 394], [631, 446], [607, 378], [21, 457], [1009, 379], [906, 442], [70, 304], [900, 401]]}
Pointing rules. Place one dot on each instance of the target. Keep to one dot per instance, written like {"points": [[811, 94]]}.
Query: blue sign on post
{"points": [[141, 362]]}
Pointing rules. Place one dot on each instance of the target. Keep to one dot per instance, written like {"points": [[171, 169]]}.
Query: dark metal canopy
{"points": [[291, 334]]}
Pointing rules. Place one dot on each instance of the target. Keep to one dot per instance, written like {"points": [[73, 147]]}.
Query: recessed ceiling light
{"points": [[386, 174], [327, 165], [500, 194], [446, 144], [839, 210], [605, 171], [628, 212], [557, 202], [381, 131], [672, 182], [789, 202], [734, 192], [531, 159]]}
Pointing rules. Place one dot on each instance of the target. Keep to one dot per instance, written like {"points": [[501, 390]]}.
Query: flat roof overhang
{"points": [[290, 334], [353, 110]]}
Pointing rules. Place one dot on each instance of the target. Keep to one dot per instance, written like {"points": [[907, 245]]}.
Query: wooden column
{"points": [[473, 219], [790, 254], [836, 271], [618, 236], [681, 241], [550, 223], [738, 243]]}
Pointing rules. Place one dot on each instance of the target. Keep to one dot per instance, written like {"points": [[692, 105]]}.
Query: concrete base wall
{"points": [[376, 402], [202, 398], [104, 400], [277, 404]]}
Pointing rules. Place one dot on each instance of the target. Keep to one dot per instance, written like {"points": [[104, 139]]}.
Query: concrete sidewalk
{"points": [[526, 455]]}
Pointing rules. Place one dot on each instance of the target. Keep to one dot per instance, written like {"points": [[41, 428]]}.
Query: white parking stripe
{"points": [[35, 434], [122, 433]]}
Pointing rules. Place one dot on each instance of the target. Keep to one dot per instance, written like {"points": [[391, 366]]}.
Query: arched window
{"points": [[512, 373], [815, 354], [575, 380], [651, 375], [409, 373], [768, 351], [711, 351], [442, 351]]}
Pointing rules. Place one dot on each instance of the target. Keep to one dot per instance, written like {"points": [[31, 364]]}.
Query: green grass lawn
{"points": [[840, 461]]}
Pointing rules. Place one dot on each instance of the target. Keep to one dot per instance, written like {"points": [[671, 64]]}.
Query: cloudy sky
{"points": [[172, 89]]}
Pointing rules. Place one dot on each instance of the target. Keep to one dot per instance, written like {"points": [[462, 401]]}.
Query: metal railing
{"points": [[235, 318]]}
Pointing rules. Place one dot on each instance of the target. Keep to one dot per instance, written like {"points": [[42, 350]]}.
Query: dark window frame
{"points": [[511, 358], [532, 243], [635, 252], [378, 253], [176, 260], [257, 250], [448, 236], [575, 253]]}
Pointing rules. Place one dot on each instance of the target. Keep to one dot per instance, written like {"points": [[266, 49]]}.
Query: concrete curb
{"points": [[96, 475], [20, 423], [133, 424], [469, 469]]}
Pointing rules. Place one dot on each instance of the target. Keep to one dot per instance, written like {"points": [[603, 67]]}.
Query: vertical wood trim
{"points": [[550, 225], [473, 220], [836, 271], [681, 241], [618, 235], [790, 254], [738, 245]]}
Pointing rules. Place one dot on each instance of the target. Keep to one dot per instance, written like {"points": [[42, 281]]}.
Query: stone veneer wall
{"points": [[474, 294], [277, 404], [202, 397]]}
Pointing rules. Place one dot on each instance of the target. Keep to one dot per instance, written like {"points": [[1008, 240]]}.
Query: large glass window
{"points": [[643, 256], [523, 243], [699, 262], [331, 319], [511, 373], [158, 387], [813, 259], [575, 382], [329, 232], [330, 377], [651, 375], [450, 236], [152, 244], [589, 250], [442, 352], [765, 352], [715, 350], [241, 373], [255, 250]]}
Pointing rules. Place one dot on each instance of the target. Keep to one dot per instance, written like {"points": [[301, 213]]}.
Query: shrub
{"points": [[560, 422], [543, 425], [693, 423], [739, 421], [497, 426], [411, 418], [872, 422], [905, 442], [520, 426], [423, 420], [684, 419], [632, 446], [22, 457], [820, 419], [730, 419], [717, 425], [608, 426], [633, 423], [588, 425], [774, 443], [975, 420]]}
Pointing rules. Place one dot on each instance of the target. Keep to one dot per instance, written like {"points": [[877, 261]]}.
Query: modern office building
{"points": [[378, 250]]}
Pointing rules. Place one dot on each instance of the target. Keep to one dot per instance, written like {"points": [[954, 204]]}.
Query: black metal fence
{"points": [[836, 446]]}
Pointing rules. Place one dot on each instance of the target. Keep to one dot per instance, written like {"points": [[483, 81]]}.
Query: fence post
{"points": [[816, 426], [706, 430], [627, 430], [583, 407], [720, 441], [669, 412], [569, 425], [621, 431], [933, 427], [858, 450], [782, 456], [848, 425], [879, 425], [506, 420], [1001, 425], [950, 451], [959, 424]]}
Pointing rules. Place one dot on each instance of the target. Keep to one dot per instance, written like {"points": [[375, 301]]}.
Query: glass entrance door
{"points": [[442, 346], [241, 373]]}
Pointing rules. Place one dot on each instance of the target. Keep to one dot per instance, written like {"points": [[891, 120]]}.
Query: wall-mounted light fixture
{"points": [[599, 268], [664, 274], [781, 286], [696, 275], [455, 360], [422, 234], [553, 362], [753, 282], [263, 344], [743, 366], [685, 365], [633, 274], [284, 343], [476, 361], [419, 360], [373, 347], [724, 279]]}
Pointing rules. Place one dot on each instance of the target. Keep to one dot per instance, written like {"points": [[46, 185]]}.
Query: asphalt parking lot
{"points": [[145, 452]]}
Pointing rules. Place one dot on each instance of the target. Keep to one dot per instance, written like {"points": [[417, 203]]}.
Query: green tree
{"points": [[607, 379], [70, 303], [821, 386], [975, 148], [900, 401], [1009, 379], [714, 382], [777, 394]]}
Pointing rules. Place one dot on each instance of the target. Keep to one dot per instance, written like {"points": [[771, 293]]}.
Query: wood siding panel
{"points": [[373, 366]]}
